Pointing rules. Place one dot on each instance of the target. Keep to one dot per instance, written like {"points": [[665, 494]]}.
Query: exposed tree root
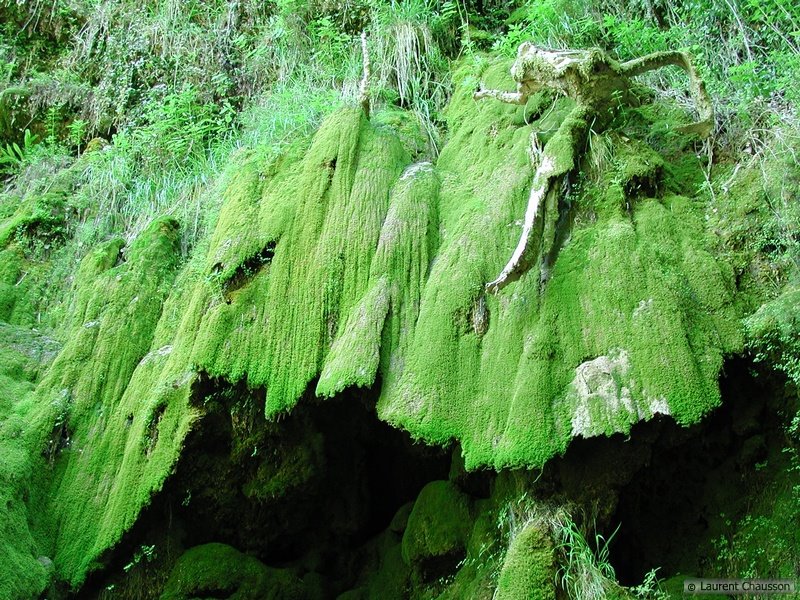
{"points": [[597, 83], [363, 88], [555, 161]]}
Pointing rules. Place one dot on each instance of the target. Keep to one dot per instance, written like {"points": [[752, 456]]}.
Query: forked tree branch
{"points": [[597, 83]]}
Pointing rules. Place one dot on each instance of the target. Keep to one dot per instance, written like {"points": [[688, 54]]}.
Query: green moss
{"points": [[645, 286], [529, 567], [438, 527], [41, 214], [774, 333], [402, 294], [21, 574], [755, 219], [392, 576], [11, 261], [407, 126], [111, 427], [277, 330], [477, 573], [376, 331], [337, 264], [213, 569], [384, 573], [119, 391]]}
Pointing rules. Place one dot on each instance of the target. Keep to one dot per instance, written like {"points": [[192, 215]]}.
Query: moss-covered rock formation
{"points": [[341, 270], [600, 86], [437, 528], [528, 568], [212, 570]]}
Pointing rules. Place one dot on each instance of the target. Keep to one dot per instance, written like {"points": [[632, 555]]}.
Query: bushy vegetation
{"points": [[748, 51], [157, 96], [174, 87]]}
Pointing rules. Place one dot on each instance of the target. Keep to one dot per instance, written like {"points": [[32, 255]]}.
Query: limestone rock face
{"points": [[605, 396]]}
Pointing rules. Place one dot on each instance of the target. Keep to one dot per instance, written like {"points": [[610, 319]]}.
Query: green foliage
{"points": [[650, 588], [761, 542], [12, 156], [409, 57], [748, 49], [144, 553], [774, 333], [332, 47], [39, 220], [8, 62], [77, 129], [177, 126], [290, 111], [397, 297], [337, 262], [12, 262], [552, 23], [584, 572]]}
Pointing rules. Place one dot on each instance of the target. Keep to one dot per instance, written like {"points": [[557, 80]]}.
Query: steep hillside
{"points": [[250, 343]]}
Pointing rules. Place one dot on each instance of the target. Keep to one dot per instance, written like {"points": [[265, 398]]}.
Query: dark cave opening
{"points": [[696, 481], [312, 490], [304, 492]]}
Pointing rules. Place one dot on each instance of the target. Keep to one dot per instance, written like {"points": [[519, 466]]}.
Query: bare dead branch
{"points": [[363, 88]]}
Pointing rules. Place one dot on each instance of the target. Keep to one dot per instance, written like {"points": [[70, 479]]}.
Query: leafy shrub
{"points": [[774, 333], [13, 155]]}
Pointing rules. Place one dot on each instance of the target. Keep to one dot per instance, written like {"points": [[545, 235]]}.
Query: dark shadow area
{"points": [[305, 492], [699, 480], [312, 491]]}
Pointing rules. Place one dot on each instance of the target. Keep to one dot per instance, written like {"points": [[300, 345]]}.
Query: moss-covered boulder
{"points": [[218, 570], [529, 569], [438, 529], [384, 574]]}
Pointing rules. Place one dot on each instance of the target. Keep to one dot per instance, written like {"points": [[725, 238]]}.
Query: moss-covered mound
{"points": [[529, 567], [437, 529], [633, 320], [217, 571]]}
